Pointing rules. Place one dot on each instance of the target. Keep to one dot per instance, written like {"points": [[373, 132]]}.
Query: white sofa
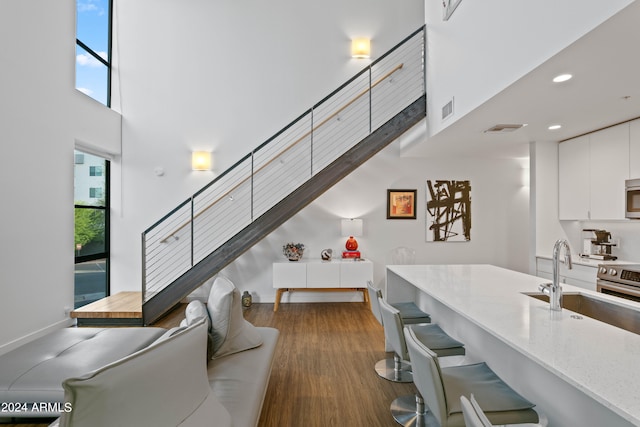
{"points": [[31, 375], [212, 371], [170, 384]]}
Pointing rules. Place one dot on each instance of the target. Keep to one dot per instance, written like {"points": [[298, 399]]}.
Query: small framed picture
{"points": [[401, 204]]}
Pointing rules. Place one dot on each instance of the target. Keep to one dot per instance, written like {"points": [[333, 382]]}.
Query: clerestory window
{"points": [[93, 49]]}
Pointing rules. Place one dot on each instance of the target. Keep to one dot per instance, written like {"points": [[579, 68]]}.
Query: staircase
{"points": [[283, 175]]}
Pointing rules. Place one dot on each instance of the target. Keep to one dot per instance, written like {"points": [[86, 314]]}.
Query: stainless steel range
{"points": [[621, 280]]}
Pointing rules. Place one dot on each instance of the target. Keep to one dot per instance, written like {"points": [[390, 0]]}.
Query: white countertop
{"points": [[601, 360]]}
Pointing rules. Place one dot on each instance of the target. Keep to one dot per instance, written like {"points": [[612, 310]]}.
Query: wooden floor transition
{"points": [[323, 371]]}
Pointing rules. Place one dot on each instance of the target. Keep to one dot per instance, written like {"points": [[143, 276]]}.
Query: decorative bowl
{"points": [[293, 251]]}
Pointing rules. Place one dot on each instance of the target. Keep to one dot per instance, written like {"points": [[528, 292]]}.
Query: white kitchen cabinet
{"points": [[591, 175], [634, 149], [609, 170], [573, 178], [317, 275]]}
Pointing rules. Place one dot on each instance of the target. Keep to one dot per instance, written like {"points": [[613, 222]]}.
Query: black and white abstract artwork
{"points": [[448, 211]]}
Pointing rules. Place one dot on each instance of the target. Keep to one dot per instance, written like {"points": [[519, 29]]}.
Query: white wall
{"points": [[499, 209], [485, 46], [222, 76], [41, 116]]}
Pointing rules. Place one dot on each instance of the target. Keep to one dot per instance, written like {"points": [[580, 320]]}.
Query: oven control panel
{"points": [[621, 273], [633, 276]]}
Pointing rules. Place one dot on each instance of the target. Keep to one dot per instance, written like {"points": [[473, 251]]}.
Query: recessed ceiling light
{"points": [[562, 78], [554, 127]]}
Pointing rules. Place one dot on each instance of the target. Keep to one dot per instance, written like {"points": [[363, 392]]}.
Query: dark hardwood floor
{"points": [[323, 373]]}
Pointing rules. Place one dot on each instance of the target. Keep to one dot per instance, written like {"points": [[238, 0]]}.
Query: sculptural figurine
{"points": [[326, 254]]}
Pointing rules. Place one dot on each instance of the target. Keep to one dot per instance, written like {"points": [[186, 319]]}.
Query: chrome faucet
{"points": [[554, 289]]}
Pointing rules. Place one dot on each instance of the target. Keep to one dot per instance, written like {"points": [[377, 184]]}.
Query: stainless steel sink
{"points": [[604, 311]]}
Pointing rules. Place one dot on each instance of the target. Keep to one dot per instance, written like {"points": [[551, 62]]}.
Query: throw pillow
{"points": [[230, 331], [194, 311]]}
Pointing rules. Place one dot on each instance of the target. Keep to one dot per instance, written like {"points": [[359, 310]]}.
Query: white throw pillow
{"points": [[230, 331], [194, 311]]}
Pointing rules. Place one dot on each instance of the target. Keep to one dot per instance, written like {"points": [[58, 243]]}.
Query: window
{"points": [[91, 229], [93, 49], [95, 193]]}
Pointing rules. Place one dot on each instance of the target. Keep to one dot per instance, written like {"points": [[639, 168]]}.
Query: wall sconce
{"points": [[361, 48], [201, 160], [353, 228]]}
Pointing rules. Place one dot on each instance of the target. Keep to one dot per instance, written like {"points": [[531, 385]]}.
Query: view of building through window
{"points": [[93, 45], [91, 185]]}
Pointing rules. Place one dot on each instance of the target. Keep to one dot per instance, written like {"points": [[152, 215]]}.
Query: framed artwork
{"points": [[448, 211], [448, 6], [401, 204]]}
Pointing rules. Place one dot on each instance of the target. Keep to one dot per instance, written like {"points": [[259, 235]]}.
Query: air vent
{"points": [[447, 110], [503, 128]]}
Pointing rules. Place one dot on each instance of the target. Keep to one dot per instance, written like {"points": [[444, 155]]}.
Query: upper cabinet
{"points": [[634, 149], [592, 171], [573, 176], [609, 170]]}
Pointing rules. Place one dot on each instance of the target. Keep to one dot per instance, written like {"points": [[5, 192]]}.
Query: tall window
{"points": [[91, 194], [93, 49]]}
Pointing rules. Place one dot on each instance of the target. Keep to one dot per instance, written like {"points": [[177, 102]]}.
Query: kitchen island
{"points": [[579, 371]]}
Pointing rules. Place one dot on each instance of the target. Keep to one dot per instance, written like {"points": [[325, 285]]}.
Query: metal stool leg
{"points": [[395, 370], [410, 411]]}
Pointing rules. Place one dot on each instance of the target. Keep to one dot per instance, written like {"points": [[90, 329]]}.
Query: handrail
{"points": [[290, 146]]}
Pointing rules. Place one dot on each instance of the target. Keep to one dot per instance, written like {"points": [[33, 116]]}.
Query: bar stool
{"points": [[394, 369], [474, 416], [431, 334], [441, 389]]}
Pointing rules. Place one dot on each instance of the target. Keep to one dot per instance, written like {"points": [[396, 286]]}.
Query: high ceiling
{"points": [[604, 90]]}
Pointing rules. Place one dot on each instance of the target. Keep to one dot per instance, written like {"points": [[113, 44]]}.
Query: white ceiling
{"points": [[605, 65]]}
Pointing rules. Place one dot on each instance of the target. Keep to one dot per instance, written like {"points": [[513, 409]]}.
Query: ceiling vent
{"points": [[503, 128]]}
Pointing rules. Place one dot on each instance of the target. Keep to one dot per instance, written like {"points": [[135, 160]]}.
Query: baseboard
{"points": [[5, 348]]}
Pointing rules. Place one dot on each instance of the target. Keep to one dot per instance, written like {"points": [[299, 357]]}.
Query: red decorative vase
{"points": [[351, 244]]}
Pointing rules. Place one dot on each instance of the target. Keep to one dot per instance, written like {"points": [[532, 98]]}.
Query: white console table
{"points": [[324, 276]]}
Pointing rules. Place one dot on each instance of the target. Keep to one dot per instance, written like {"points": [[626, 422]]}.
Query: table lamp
{"points": [[352, 228]]}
